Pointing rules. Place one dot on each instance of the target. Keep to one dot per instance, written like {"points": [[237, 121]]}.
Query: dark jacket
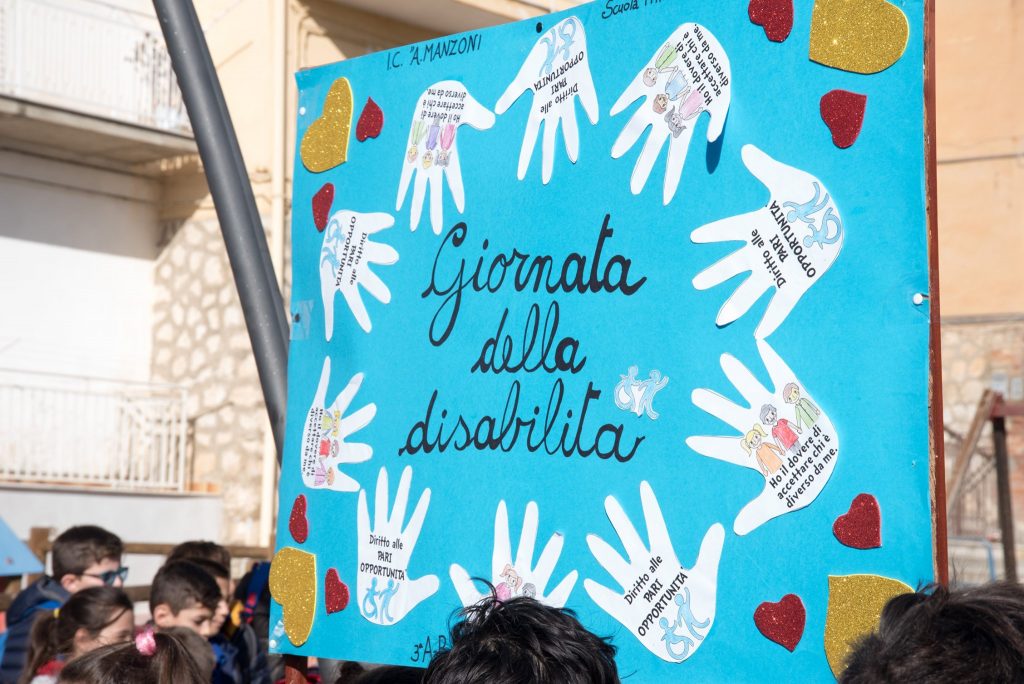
{"points": [[44, 594]]}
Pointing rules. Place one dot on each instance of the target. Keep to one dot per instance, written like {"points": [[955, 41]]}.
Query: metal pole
{"points": [[246, 243], [1005, 502]]}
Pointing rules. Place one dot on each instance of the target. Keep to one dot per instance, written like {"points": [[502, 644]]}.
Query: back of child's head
{"points": [[937, 635], [183, 584], [150, 659], [522, 640], [200, 550], [54, 632], [197, 647], [78, 548]]}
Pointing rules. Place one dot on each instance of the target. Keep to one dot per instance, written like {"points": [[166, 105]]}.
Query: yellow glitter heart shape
{"points": [[293, 585], [863, 36], [855, 604], [325, 142]]}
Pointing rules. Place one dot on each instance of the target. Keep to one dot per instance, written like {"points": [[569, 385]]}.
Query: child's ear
{"points": [[163, 616], [70, 583]]}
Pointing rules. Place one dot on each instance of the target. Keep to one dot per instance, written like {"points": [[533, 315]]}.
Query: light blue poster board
{"points": [[540, 328]]}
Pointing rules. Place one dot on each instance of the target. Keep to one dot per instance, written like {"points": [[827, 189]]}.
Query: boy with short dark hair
{"points": [[184, 595], [82, 557]]}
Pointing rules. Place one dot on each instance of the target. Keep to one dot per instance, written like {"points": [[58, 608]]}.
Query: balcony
{"points": [[89, 81], [67, 430]]}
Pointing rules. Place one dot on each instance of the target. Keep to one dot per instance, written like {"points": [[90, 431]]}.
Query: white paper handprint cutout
{"points": [[783, 434], [345, 259], [518, 578], [669, 608], [557, 70], [432, 155], [789, 243], [324, 449], [688, 75], [384, 590]]}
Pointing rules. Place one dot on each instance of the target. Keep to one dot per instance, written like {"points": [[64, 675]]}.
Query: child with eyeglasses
{"points": [[91, 618], [82, 557]]}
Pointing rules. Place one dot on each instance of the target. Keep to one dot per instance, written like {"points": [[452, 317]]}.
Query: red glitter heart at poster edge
{"points": [[322, 202], [297, 523], [782, 622], [843, 113], [861, 526], [775, 16], [371, 121], [336, 593]]}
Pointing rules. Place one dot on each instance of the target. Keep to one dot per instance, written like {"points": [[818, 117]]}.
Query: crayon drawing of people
{"points": [[806, 412], [783, 432], [766, 453]]}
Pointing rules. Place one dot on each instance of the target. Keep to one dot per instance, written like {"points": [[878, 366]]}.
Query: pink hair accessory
{"points": [[145, 642]]}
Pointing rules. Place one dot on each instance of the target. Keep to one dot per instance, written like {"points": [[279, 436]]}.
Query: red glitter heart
{"points": [[335, 592], [322, 201], [776, 16], [782, 622], [297, 523], [861, 526], [843, 113], [371, 121]]}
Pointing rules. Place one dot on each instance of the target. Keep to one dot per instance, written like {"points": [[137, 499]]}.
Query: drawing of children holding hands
{"points": [[806, 412], [783, 432], [767, 454]]}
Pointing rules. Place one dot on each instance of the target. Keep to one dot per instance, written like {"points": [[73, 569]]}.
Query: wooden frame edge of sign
{"points": [[937, 458]]}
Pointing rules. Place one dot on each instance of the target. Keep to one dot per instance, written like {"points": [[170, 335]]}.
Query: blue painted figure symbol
{"points": [[636, 395], [378, 603], [686, 620]]}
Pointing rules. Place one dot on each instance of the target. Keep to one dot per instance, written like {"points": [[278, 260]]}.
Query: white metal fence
{"points": [[92, 57], [70, 430]]}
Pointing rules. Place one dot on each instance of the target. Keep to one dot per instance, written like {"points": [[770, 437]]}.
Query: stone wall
{"points": [[200, 341]]}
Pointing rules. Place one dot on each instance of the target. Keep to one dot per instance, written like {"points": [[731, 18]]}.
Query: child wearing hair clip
{"points": [[91, 618], [152, 658]]}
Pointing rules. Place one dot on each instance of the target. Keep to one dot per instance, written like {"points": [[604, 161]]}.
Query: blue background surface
{"points": [[855, 341]]}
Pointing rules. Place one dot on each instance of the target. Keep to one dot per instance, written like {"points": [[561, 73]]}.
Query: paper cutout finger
{"points": [[384, 589], [688, 75], [345, 259], [432, 156], [783, 434], [788, 244], [519, 577], [557, 70], [324, 449], [669, 608]]}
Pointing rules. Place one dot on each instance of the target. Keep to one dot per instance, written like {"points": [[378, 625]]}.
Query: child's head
{"points": [[222, 576], [205, 550], [522, 640], [91, 618], [197, 647], [88, 556], [149, 659], [184, 595]]}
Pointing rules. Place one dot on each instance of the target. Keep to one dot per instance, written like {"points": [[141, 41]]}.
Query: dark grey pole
{"points": [[246, 243], [1005, 498]]}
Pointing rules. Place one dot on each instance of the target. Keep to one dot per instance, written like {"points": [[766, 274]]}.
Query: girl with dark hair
{"points": [[91, 618], [152, 658]]}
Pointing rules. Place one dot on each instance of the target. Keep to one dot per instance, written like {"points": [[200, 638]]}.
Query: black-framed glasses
{"points": [[110, 577]]}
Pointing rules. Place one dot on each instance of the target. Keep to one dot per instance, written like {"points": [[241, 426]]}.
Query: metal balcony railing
{"points": [[57, 429], [90, 57]]}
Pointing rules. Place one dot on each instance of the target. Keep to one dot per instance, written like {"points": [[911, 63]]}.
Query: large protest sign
{"points": [[624, 309]]}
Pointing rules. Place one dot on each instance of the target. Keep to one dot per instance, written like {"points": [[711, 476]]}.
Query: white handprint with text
{"points": [[557, 70], [687, 75], [519, 577], [384, 590], [783, 434], [670, 609], [788, 244], [432, 156], [345, 259], [324, 449]]}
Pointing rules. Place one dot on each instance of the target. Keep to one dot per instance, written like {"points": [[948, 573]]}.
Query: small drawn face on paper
{"points": [[428, 159], [674, 119], [650, 76], [660, 103], [512, 578], [791, 393], [411, 155], [442, 158], [769, 416]]}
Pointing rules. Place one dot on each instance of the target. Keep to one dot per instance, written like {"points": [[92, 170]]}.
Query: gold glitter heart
{"points": [[325, 142], [863, 36], [855, 605], [293, 585]]}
